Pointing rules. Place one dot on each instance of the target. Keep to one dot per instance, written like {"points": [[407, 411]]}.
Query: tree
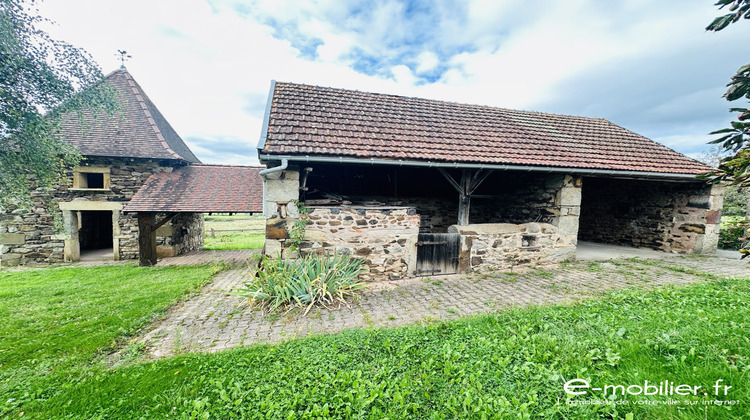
{"points": [[40, 79], [735, 139]]}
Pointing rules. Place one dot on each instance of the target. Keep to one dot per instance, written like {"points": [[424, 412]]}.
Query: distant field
{"points": [[218, 240]]}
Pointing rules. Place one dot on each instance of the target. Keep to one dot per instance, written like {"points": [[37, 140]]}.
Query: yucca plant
{"points": [[306, 281]]}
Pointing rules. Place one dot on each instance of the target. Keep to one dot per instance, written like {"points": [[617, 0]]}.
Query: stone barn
{"points": [[424, 187], [85, 212]]}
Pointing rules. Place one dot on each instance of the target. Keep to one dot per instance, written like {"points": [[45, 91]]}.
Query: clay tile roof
{"points": [[137, 130], [202, 189], [310, 120]]}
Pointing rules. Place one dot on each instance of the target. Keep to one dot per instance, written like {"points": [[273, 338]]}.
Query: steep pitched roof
{"points": [[136, 130], [202, 189], [310, 120]]}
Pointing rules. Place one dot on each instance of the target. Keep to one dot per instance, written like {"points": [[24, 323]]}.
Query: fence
{"points": [[213, 231]]}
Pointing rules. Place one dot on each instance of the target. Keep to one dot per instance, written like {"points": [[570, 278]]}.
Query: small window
{"points": [[91, 178], [95, 180]]}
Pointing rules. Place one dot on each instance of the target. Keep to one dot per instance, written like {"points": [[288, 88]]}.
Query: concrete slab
{"points": [[592, 251]]}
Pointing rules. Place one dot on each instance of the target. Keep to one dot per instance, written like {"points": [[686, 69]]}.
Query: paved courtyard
{"points": [[216, 319]]}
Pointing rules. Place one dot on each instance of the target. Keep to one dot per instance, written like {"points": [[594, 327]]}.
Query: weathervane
{"points": [[123, 57]]}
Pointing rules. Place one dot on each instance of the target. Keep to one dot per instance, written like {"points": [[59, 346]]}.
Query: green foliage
{"points": [[739, 9], [735, 201], [297, 233], [734, 168], [39, 74], [732, 235], [512, 365], [56, 320], [306, 281]]}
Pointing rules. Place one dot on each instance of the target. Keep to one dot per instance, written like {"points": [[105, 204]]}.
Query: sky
{"points": [[208, 64]]}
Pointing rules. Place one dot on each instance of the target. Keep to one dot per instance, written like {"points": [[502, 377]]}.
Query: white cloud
{"points": [[426, 61]]}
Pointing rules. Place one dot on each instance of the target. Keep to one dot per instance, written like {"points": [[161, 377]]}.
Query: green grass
{"points": [[56, 321], [509, 365], [233, 240]]}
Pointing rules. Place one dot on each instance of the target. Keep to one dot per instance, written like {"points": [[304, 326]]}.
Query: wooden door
{"points": [[438, 253]]}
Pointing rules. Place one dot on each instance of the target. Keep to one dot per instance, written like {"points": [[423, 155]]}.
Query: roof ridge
{"points": [[442, 101], [139, 96]]}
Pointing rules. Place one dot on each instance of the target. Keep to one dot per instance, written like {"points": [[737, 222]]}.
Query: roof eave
{"points": [[266, 118], [619, 173]]}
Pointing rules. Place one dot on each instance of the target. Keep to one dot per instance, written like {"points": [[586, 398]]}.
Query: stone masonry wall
{"points": [[38, 234], [668, 216], [519, 198], [502, 246], [384, 238]]}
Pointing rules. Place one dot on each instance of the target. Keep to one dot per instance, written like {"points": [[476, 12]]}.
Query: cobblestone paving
{"points": [[231, 257], [217, 320]]}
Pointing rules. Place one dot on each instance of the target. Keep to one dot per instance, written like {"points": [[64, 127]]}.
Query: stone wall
{"points": [[44, 233], [436, 214], [516, 198], [384, 238], [667, 216], [502, 246], [183, 234]]}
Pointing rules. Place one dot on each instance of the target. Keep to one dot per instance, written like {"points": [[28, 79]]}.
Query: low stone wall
{"points": [[502, 246], [384, 238]]}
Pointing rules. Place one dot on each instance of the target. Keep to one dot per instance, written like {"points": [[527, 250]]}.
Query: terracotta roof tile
{"points": [[311, 120], [202, 189], [136, 130]]}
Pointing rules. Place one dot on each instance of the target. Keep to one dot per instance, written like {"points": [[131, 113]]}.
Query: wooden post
{"points": [[464, 199], [470, 181], [146, 239]]}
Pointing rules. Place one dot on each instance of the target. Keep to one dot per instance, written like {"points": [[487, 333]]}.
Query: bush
{"points": [[731, 235], [310, 280]]}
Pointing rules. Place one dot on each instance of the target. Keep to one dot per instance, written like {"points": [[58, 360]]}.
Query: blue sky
{"points": [[207, 64]]}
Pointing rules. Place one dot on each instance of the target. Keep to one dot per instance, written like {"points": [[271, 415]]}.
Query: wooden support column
{"points": [[146, 239], [470, 180], [147, 227], [464, 199]]}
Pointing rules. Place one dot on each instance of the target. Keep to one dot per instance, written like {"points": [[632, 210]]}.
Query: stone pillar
{"points": [[72, 249], [568, 201], [707, 242], [281, 192], [116, 234]]}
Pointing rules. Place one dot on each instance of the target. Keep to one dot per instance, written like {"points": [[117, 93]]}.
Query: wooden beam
{"points": [[146, 239], [450, 179], [478, 178], [166, 218]]}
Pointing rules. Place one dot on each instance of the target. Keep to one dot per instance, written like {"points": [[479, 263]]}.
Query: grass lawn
{"points": [[57, 321], [233, 240], [509, 365]]}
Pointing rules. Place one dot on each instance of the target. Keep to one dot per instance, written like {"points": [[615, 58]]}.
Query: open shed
{"points": [[416, 186], [187, 192]]}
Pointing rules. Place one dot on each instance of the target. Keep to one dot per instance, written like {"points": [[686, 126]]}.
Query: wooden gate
{"points": [[438, 253]]}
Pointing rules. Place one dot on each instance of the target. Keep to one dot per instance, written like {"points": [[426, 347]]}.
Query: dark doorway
{"points": [[96, 230]]}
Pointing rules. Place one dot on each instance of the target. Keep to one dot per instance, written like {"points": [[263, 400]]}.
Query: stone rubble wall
{"points": [[183, 234], [502, 246], [667, 216], [384, 238], [524, 198], [37, 234]]}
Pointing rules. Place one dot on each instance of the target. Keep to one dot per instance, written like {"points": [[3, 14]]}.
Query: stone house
{"points": [[424, 187], [121, 151]]}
